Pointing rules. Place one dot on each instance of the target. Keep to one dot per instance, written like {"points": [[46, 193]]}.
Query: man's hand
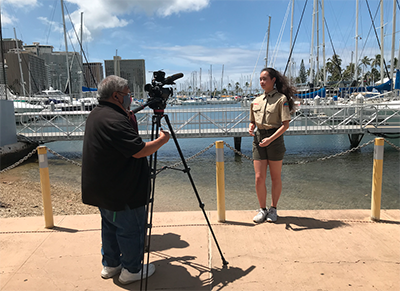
{"points": [[164, 136]]}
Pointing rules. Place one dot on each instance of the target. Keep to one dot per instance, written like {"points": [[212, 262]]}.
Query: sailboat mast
{"points": [[81, 77], [20, 66], [312, 46], [317, 67], [222, 79], [393, 43], [356, 61], [291, 42], [323, 41], [269, 30], [211, 85], [382, 41], [200, 82], [66, 49]]}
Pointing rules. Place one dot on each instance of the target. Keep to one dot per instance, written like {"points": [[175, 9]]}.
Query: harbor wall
{"points": [[11, 150], [8, 129]]}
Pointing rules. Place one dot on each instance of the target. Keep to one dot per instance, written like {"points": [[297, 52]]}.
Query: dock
{"points": [[303, 250]]}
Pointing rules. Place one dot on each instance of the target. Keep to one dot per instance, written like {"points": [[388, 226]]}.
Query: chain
{"points": [[194, 156], [393, 145], [19, 162], [305, 162], [64, 158], [346, 152], [237, 152], [203, 151]]}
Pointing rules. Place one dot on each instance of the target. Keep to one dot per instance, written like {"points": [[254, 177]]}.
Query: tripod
{"points": [[156, 126]]}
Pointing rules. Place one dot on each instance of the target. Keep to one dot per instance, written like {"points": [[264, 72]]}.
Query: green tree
{"points": [[333, 67], [237, 88], [376, 62], [302, 73]]}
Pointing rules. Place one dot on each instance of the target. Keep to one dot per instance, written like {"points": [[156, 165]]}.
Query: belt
{"points": [[271, 130]]}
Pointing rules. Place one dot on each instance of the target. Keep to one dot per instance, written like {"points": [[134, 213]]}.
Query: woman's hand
{"points": [[265, 142], [251, 129]]}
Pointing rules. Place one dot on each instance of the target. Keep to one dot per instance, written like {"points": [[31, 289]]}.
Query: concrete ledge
{"points": [[10, 154]]}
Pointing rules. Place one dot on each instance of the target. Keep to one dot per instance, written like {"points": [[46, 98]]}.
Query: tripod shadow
{"points": [[303, 223], [183, 273]]}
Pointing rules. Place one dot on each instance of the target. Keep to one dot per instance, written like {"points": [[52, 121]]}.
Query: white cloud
{"points": [[106, 14], [7, 19], [55, 26], [21, 3]]}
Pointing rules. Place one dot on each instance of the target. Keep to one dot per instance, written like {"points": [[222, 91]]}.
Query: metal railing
{"points": [[375, 118]]}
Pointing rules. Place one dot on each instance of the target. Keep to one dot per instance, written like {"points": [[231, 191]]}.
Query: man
{"points": [[116, 179]]}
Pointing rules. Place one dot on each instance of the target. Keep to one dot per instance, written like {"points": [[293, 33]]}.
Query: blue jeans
{"points": [[122, 235]]}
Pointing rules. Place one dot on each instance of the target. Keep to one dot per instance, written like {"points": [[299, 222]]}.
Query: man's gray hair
{"points": [[109, 85]]}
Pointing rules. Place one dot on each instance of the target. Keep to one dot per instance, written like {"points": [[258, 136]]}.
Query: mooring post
{"points": [[238, 143], [220, 180], [377, 179], [45, 185]]}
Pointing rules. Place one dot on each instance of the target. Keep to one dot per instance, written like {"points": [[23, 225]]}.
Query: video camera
{"points": [[158, 95]]}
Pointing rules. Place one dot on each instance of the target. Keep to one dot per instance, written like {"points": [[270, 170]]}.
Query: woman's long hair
{"points": [[282, 85]]}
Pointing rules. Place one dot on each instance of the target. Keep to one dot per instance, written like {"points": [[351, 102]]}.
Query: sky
{"points": [[206, 40]]}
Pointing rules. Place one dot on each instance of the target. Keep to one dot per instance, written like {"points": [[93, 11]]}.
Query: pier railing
{"points": [[197, 122]]}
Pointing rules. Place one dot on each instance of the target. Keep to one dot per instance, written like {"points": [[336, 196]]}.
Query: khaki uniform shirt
{"points": [[269, 110]]}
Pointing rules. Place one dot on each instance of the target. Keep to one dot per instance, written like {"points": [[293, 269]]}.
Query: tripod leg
{"points": [[150, 203], [187, 170]]}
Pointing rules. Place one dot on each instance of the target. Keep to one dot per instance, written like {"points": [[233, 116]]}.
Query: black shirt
{"points": [[111, 177]]}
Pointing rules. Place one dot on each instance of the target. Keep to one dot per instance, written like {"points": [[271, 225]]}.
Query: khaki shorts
{"points": [[273, 152]]}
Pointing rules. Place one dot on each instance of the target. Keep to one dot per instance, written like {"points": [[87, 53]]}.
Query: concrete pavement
{"points": [[304, 250]]}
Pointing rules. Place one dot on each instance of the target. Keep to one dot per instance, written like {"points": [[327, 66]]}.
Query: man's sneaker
{"points": [[260, 217], [127, 277], [109, 272], [272, 215]]}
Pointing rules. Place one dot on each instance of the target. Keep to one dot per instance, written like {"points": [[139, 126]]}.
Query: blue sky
{"points": [[186, 35]]}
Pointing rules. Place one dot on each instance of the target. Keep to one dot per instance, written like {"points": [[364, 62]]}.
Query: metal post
{"points": [[220, 180], [377, 179], [45, 185]]}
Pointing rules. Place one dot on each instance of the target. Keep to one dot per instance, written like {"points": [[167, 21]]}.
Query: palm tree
{"points": [[365, 62], [376, 62], [333, 67], [237, 87]]}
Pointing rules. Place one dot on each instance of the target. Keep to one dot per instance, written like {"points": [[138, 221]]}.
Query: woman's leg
{"points": [[275, 169], [260, 169]]}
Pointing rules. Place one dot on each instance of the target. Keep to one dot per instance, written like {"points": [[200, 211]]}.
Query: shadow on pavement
{"points": [[303, 223]]}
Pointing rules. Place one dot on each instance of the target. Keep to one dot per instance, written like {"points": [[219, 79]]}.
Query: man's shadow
{"points": [[183, 273], [295, 223]]}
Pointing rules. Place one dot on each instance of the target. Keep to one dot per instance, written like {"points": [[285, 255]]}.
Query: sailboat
{"points": [[390, 85]]}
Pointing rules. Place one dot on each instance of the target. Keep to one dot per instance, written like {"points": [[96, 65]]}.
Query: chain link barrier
{"points": [[305, 162], [19, 162], [64, 158], [203, 151], [193, 157], [392, 144], [237, 152]]}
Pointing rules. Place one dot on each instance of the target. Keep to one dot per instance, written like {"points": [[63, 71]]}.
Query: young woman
{"points": [[270, 113]]}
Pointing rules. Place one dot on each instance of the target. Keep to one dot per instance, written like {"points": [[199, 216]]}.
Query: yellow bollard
{"points": [[220, 180], [377, 179], [45, 184]]}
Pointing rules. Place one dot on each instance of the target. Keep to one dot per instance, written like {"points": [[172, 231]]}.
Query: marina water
{"points": [[341, 182]]}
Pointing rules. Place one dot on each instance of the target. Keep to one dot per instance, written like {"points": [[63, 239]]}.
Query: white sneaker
{"points": [[260, 217], [272, 215], [127, 277], [109, 272]]}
